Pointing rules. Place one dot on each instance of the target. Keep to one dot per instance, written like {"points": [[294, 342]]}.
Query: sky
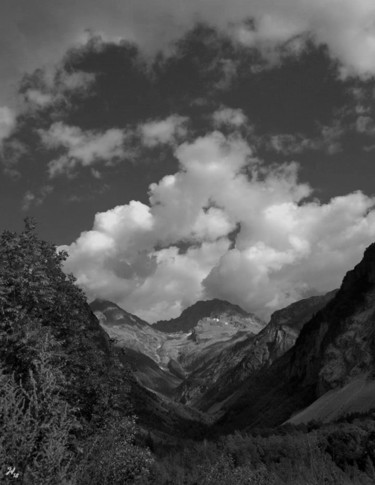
{"points": [[181, 151]]}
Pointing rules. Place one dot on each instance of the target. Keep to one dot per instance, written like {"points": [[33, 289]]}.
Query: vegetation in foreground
{"points": [[341, 453], [65, 403]]}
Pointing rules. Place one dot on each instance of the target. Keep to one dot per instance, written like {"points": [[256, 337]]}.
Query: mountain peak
{"points": [[209, 309], [107, 311], [100, 304]]}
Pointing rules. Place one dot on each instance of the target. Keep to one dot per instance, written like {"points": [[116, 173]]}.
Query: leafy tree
{"points": [[62, 387], [37, 297]]}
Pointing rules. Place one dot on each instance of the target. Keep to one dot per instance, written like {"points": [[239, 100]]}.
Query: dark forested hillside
{"points": [[334, 349]]}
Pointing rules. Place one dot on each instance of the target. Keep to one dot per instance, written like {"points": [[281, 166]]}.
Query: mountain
{"points": [[224, 311], [113, 313], [153, 411], [332, 361], [208, 387], [128, 330], [140, 344], [213, 327], [160, 360]]}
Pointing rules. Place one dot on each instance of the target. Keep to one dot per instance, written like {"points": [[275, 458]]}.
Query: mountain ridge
{"points": [[249, 355], [101, 304], [203, 309], [161, 360], [333, 349]]}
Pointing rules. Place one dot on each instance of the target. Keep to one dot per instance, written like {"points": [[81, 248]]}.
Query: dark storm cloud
{"points": [[105, 85], [36, 32], [96, 105]]}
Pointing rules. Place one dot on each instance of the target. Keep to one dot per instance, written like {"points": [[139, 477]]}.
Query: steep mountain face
{"points": [[335, 350], [208, 387], [218, 326], [140, 344], [296, 315], [125, 328], [162, 360]]}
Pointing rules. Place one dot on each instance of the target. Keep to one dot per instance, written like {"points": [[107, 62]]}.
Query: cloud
{"points": [[225, 225], [81, 147], [316, 245], [54, 86], [328, 140], [37, 33], [7, 122], [38, 98], [229, 117], [365, 125], [86, 148], [166, 131], [287, 144], [35, 198]]}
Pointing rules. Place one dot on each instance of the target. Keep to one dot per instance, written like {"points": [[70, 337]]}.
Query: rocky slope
{"points": [[140, 344], [153, 411], [123, 327], [209, 386], [161, 360], [334, 349]]}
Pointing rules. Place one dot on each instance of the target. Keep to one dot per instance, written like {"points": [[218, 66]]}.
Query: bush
{"points": [[36, 297], [225, 473], [113, 458], [36, 426], [60, 380]]}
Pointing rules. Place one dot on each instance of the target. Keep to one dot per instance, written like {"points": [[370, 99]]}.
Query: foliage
{"points": [[36, 425], [224, 472], [336, 454], [35, 296], [112, 457], [61, 382]]}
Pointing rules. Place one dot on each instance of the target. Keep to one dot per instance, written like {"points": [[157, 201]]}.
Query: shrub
{"points": [[36, 426], [224, 472], [36, 297], [113, 458], [60, 380]]}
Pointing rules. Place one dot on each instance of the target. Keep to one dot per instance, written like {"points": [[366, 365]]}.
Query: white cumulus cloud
{"points": [[81, 147], [223, 226], [165, 131], [229, 116]]}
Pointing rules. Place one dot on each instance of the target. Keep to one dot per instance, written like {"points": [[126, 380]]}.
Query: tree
{"points": [[37, 298], [62, 387]]}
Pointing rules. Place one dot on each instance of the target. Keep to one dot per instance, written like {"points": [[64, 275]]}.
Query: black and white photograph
{"points": [[187, 242]]}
